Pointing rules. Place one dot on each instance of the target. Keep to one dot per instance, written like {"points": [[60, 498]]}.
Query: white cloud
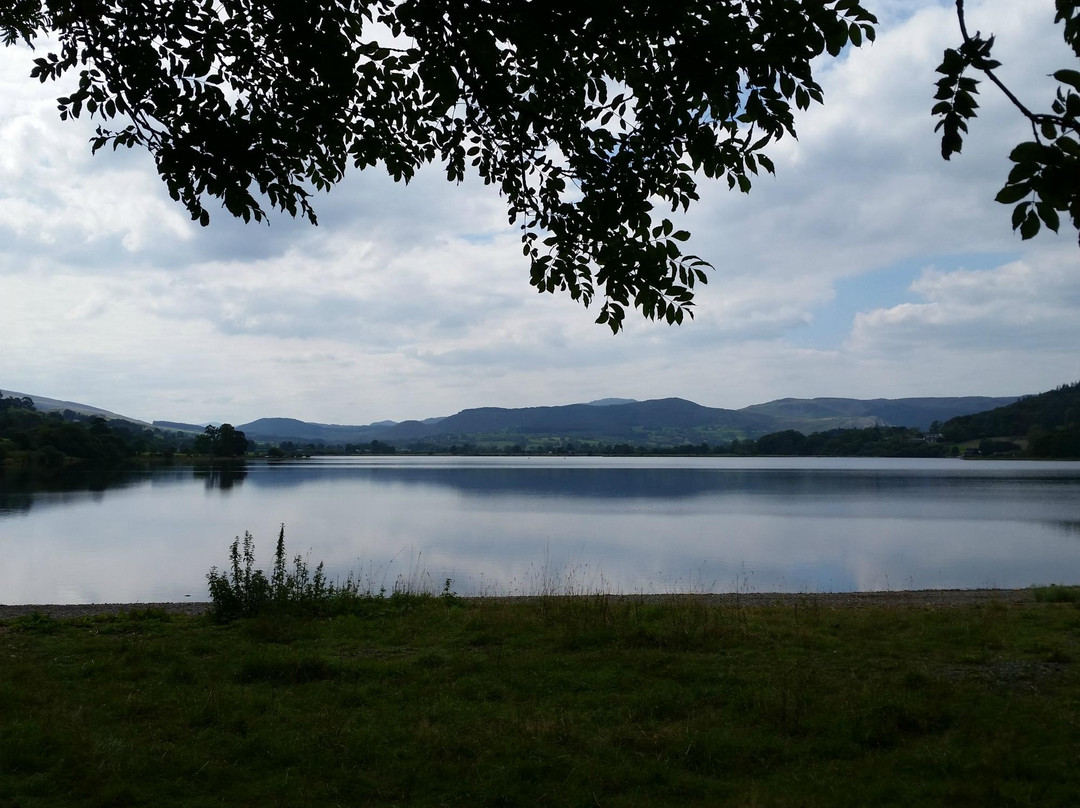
{"points": [[54, 196], [1029, 304], [414, 301]]}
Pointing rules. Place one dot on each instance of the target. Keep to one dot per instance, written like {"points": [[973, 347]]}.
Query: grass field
{"points": [[587, 701]]}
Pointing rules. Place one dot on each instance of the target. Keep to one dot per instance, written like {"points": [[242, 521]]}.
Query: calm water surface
{"points": [[524, 525]]}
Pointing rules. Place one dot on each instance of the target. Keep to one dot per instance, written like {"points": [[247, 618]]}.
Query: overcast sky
{"points": [[867, 267]]}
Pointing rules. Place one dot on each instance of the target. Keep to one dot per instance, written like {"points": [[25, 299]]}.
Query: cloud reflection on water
{"points": [[516, 525]]}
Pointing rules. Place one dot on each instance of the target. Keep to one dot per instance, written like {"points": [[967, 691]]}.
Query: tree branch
{"points": [[1033, 117]]}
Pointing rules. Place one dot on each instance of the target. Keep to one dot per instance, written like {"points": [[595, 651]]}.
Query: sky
{"points": [[867, 267]]}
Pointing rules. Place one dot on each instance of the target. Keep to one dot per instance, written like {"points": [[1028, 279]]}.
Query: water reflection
{"points": [[221, 476], [651, 483], [20, 488], [521, 525], [945, 490]]}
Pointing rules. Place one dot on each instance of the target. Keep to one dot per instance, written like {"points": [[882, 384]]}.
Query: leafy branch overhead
{"points": [[1045, 178], [586, 116]]}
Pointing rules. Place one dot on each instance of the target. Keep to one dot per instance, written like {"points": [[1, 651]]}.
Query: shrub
{"points": [[1056, 593], [243, 590]]}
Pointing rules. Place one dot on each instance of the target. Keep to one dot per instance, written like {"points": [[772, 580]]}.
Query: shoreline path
{"points": [[931, 598]]}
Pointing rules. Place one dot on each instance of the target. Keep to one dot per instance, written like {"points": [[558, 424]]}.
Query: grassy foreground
{"points": [[552, 701]]}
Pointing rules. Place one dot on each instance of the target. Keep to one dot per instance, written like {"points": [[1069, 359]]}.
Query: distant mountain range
{"points": [[668, 421]]}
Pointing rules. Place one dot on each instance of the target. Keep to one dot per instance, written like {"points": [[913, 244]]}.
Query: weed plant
{"points": [[1056, 593], [244, 590]]}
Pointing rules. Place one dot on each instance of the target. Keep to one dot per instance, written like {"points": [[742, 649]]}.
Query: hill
{"points": [[668, 421], [275, 430], [851, 413], [45, 404], [657, 422], [179, 426], [1050, 421]]}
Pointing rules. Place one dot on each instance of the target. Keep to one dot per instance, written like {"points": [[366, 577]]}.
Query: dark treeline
{"points": [[1049, 425], [875, 441], [1040, 426], [869, 442], [1049, 421], [1056, 409], [51, 440], [221, 441], [288, 448]]}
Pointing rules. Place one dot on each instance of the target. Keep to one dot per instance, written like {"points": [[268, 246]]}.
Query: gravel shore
{"points": [[67, 610], [932, 598]]}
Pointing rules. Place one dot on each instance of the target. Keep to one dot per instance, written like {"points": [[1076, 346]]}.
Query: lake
{"points": [[535, 524]]}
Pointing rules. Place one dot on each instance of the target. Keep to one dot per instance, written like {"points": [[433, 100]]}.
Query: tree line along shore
{"points": [[1042, 426]]}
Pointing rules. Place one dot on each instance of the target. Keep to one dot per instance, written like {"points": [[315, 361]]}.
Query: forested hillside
{"points": [[666, 422], [653, 424], [877, 441], [919, 413], [53, 439], [1050, 421], [1044, 425]]}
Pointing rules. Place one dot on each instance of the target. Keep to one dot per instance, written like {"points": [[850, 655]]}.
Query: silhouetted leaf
{"points": [[256, 103], [1070, 77], [1048, 215], [1027, 152], [1012, 193], [1047, 172], [1018, 214], [1030, 226]]}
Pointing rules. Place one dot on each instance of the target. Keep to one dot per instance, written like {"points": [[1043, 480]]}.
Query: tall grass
{"points": [[1056, 593], [666, 701], [244, 590]]}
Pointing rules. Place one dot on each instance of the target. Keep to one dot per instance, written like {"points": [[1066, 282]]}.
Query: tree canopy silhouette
{"points": [[1045, 177], [586, 116]]}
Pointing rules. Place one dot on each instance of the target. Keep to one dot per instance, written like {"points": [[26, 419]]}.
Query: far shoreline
{"points": [[915, 598]]}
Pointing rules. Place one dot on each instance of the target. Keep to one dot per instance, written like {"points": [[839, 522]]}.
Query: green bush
{"points": [[243, 590], [1056, 593]]}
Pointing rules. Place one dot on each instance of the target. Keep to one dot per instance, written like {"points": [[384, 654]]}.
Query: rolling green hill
{"points": [[275, 430], [848, 413], [658, 422], [1050, 421], [665, 422]]}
